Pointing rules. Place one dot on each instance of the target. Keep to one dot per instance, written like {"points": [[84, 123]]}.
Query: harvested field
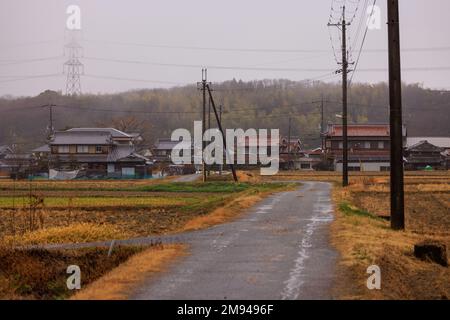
{"points": [[133, 211]]}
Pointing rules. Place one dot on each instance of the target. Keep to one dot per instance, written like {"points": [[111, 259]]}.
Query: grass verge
{"points": [[119, 283], [362, 240], [40, 274]]}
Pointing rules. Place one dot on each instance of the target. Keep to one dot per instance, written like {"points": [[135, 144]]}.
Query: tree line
{"points": [[155, 113]]}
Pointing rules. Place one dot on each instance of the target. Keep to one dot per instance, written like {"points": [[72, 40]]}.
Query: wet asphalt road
{"points": [[279, 249]]}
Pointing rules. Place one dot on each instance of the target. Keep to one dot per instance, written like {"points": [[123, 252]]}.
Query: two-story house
{"points": [[97, 152], [427, 152], [368, 146]]}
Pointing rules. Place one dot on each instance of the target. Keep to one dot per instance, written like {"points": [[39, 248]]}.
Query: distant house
{"points": [[97, 152], [162, 150], [4, 150], [5, 170], [368, 146], [427, 152], [289, 152], [42, 151], [310, 159], [17, 165]]}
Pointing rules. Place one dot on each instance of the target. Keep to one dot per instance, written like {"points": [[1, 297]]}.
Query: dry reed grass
{"points": [[120, 282]]}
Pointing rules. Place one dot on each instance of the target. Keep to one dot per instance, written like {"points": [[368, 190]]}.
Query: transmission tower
{"points": [[73, 66]]}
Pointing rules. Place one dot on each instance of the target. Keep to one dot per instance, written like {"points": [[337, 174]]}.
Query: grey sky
{"points": [[114, 30]]}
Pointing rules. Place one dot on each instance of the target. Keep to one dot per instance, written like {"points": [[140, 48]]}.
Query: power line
{"points": [[75, 108], [15, 62], [133, 79], [197, 66], [29, 77], [253, 50], [362, 44]]}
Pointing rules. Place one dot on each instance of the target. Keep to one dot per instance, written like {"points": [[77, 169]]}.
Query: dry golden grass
{"points": [[74, 233], [363, 241], [223, 214], [119, 283], [41, 274], [8, 184]]}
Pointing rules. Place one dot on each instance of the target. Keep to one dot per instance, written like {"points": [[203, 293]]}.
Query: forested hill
{"points": [[256, 104]]}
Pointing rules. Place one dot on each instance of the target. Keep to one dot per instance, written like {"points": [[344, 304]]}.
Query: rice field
{"points": [[43, 211]]}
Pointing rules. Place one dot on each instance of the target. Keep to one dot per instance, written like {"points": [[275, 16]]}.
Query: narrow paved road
{"points": [[187, 178], [278, 250]]}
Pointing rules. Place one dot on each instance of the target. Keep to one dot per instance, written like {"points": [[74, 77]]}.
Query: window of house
{"points": [[366, 144], [350, 168], [98, 149], [341, 145], [63, 149], [305, 166], [385, 168], [82, 149], [380, 144]]}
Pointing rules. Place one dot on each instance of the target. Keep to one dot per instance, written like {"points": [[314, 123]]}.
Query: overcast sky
{"points": [[170, 40]]}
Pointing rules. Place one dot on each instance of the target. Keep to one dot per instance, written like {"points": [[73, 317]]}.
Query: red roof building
{"points": [[368, 146]]}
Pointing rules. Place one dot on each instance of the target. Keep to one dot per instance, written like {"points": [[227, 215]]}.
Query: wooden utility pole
{"points": [[289, 144], [204, 78], [343, 25], [395, 117], [50, 128], [208, 171], [219, 124], [321, 123], [220, 120]]}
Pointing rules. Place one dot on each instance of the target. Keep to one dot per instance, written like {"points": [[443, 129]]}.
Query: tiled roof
{"points": [[81, 138], [19, 156], [122, 152], [112, 131], [43, 148], [360, 130], [167, 144], [5, 149], [441, 142]]}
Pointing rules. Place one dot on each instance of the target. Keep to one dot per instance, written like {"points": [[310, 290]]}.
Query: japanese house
{"points": [[97, 152], [427, 153], [368, 146]]}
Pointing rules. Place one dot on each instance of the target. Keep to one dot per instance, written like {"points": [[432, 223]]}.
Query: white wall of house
{"points": [[365, 166]]}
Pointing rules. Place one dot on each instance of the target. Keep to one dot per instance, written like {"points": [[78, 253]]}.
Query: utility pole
{"points": [[289, 144], [219, 124], [321, 123], [395, 117], [220, 120], [50, 127], [345, 64], [209, 127], [204, 78]]}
